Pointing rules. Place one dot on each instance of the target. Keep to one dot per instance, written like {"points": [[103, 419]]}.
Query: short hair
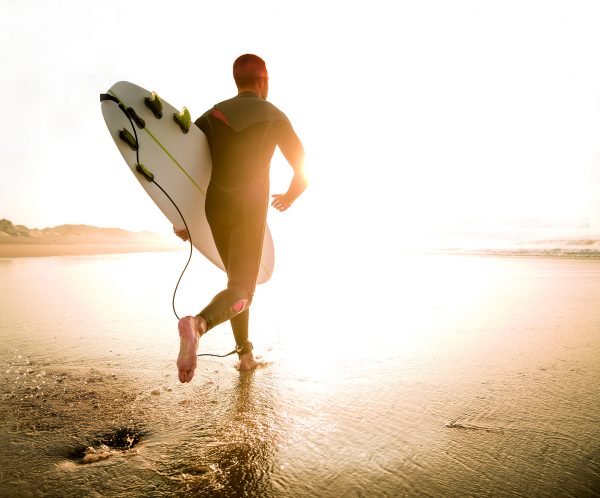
{"points": [[248, 69]]}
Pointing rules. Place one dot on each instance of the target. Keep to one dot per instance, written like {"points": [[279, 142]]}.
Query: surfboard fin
{"points": [[130, 111], [183, 119], [154, 104], [145, 172], [128, 139]]}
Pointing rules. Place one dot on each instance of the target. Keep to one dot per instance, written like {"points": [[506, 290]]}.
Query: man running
{"points": [[242, 133]]}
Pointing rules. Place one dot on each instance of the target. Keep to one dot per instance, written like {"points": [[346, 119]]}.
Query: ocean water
{"points": [[421, 375]]}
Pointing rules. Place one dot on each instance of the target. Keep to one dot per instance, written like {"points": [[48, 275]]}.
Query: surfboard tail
{"points": [[154, 104]]}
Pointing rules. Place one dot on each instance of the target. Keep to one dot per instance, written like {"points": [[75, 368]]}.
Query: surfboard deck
{"points": [[180, 163]]}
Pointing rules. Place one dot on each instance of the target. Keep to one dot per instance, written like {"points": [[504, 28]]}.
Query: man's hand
{"points": [[182, 233], [298, 184], [281, 201]]}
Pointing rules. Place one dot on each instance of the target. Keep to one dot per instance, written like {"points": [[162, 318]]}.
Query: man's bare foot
{"points": [[247, 362], [190, 330]]}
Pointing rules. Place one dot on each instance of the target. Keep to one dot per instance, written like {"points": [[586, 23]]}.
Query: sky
{"points": [[415, 115]]}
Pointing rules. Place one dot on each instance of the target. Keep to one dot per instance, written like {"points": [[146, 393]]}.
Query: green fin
{"points": [[183, 119], [154, 104], [145, 172], [128, 139]]}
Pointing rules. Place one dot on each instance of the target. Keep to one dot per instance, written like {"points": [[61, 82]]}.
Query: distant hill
{"points": [[73, 234]]}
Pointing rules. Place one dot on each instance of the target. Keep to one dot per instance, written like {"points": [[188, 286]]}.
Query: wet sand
{"points": [[468, 376]]}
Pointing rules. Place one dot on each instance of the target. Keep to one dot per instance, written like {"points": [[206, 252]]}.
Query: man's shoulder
{"points": [[269, 105], [247, 110], [276, 111]]}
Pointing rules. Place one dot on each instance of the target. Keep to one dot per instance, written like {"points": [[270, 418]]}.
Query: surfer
{"points": [[242, 133]]}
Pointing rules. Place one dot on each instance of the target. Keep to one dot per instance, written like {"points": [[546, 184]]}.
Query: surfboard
{"points": [[170, 157]]}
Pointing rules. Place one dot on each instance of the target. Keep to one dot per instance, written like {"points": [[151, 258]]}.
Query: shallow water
{"points": [[437, 376]]}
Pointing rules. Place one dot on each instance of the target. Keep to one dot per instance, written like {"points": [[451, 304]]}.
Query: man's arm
{"points": [[298, 185], [293, 151]]}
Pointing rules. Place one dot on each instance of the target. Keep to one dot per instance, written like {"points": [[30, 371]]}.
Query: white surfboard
{"points": [[180, 163]]}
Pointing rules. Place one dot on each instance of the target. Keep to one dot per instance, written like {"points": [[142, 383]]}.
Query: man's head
{"points": [[250, 74]]}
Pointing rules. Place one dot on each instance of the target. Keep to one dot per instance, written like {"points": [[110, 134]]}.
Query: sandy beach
{"points": [[473, 376]]}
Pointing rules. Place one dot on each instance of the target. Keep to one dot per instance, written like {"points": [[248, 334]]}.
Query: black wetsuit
{"points": [[242, 133]]}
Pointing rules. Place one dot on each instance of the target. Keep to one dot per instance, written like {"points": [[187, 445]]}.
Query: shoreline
{"points": [[29, 250]]}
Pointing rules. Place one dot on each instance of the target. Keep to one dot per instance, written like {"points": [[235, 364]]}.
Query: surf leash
{"points": [[183, 119]]}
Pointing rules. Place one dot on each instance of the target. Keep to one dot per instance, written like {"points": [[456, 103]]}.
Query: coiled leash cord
{"points": [[148, 175]]}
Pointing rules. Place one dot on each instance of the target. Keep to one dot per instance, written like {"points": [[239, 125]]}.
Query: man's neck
{"points": [[256, 89], [249, 89]]}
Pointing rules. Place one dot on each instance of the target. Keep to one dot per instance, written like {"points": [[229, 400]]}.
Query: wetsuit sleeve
{"points": [[290, 145], [202, 123]]}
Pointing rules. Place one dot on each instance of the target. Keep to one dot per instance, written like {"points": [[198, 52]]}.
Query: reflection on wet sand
{"points": [[244, 443]]}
